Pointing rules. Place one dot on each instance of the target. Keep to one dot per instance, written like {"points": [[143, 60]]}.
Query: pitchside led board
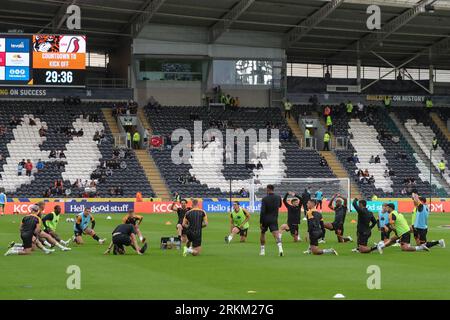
{"points": [[42, 60]]}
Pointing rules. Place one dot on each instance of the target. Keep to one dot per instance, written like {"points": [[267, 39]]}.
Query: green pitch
{"points": [[233, 271]]}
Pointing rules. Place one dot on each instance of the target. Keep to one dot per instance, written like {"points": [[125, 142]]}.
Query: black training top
{"points": [[270, 205], [293, 211], [181, 213], [29, 224], [195, 218], [127, 229], [340, 213], [365, 217]]}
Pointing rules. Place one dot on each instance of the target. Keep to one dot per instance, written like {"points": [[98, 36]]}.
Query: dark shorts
{"points": [[405, 238], [272, 226], [421, 234], [27, 239], [195, 238], [385, 235], [242, 232], [319, 204], [2, 205], [77, 233], [314, 238], [363, 238], [338, 227], [293, 229], [121, 240]]}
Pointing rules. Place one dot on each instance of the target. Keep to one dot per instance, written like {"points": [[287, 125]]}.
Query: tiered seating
{"points": [[367, 145], [376, 120], [214, 173], [82, 153]]}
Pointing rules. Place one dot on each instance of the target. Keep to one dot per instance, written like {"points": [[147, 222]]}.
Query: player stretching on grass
{"points": [[239, 223], [294, 213], [42, 236], [50, 222], [181, 212], [125, 235], [194, 221], [268, 219], [340, 211], [135, 220], [366, 221], [420, 223], [81, 226], [399, 225], [29, 231], [383, 220], [315, 230]]}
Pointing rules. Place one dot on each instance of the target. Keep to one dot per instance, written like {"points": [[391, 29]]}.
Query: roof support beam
{"points": [[139, 21], [308, 24], [228, 19]]}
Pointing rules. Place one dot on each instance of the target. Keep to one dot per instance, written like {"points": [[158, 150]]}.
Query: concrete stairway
{"points": [[340, 172], [424, 159], [441, 125], [112, 123], [148, 164], [296, 130]]}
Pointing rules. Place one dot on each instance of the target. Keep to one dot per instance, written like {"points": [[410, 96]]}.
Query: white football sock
{"points": [[325, 251], [280, 246], [46, 243], [230, 237]]}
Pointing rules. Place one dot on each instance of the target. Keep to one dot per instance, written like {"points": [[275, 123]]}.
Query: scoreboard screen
{"points": [[42, 60]]}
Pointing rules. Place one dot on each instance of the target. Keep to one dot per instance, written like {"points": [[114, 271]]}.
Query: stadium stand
{"points": [[299, 162], [373, 133], [116, 172]]}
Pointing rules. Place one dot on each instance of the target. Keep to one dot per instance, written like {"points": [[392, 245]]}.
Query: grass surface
{"points": [[223, 271]]}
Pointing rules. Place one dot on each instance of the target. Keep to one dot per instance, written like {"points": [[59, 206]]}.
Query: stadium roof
{"points": [[327, 26]]}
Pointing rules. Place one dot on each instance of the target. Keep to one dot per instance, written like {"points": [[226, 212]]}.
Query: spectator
{"points": [[39, 165], [42, 132], [243, 193], [32, 122], [371, 179], [372, 159], [20, 168], [326, 112], [441, 166], [377, 159], [366, 173], [360, 107], [323, 162], [326, 141], [349, 107], [52, 154], [287, 109], [62, 155], [434, 143], [386, 174], [136, 139], [259, 166], [391, 173], [329, 123]]}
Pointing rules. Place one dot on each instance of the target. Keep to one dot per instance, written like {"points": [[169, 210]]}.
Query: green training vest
{"points": [[238, 218], [52, 224], [401, 225]]}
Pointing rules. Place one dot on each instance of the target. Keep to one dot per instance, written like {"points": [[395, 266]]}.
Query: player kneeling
{"points": [[399, 225], [293, 216], [194, 221], [81, 226], [125, 235], [134, 220], [239, 218], [316, 229]]}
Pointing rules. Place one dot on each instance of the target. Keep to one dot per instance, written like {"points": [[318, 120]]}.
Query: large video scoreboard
{"points": [[42, 60]]}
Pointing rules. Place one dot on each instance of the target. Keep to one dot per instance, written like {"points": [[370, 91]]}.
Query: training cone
{"points": [[339, 296], [251, 291], [168, 223], [108, 218], [353, 221]]}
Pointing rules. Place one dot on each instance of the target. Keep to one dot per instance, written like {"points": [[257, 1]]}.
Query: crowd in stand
{"points": [[126, 108]]}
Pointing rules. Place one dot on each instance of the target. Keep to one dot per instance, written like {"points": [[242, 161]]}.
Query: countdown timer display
{"points": [[42, 59]]}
